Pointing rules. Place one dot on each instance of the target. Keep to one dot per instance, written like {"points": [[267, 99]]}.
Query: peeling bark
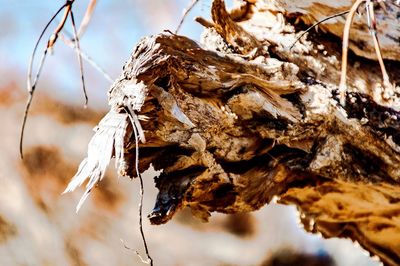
{"points": [[241, 119]]}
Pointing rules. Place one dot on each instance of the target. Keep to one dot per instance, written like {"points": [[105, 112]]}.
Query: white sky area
{"points": [[114, 30]]}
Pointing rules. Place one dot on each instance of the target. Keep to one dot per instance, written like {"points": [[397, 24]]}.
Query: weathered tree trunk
{"points": [[242, 118]]}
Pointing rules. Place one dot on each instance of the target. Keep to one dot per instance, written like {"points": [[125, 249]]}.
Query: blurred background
{"points": [[39, 226]]}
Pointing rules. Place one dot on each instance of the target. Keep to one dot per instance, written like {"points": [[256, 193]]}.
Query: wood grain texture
{"points": [[241, 119], [360, 40]]}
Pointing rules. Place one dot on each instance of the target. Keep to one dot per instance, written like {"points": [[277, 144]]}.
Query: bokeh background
{"points": [[39, 226]]}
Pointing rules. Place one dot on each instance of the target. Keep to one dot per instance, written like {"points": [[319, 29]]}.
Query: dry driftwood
{"points": [[242, 118], [360, 39]]}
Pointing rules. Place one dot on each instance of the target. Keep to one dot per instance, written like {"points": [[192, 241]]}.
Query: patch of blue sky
{"points": [[115, 29]]}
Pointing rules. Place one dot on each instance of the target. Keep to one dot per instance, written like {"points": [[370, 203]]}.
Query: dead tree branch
{"points": [[241, 119]]}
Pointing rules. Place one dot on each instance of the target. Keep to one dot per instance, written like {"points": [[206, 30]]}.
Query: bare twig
{"points": [[86, 57], [369, 22], [205, 23], [31, 87], [345, 46], [86, 18], [67, 7], [76, 38], [135, 130], [372, 20], [316, 24], [53, 38], [185, 13], [136, 252]]}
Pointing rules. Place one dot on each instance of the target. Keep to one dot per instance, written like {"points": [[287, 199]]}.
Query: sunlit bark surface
{"points": [[242, 118]]}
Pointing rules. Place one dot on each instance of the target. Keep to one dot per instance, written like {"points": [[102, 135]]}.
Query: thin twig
{"points": [[185, 13], [136, 252], [31, 87], [372, 18], [76, 39], [135, 130], [50, 44], [53, 38], [87, 58], [86, 18], [316, 24], [203, 22], [369, 22], [345, 46]]}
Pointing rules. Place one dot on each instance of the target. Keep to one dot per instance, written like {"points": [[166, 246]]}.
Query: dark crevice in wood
{"points": [[369, 167], [172, 186], [379, 118]]}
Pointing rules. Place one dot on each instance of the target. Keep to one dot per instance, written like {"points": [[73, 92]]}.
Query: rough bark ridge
{"points": [[242, 118]]}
